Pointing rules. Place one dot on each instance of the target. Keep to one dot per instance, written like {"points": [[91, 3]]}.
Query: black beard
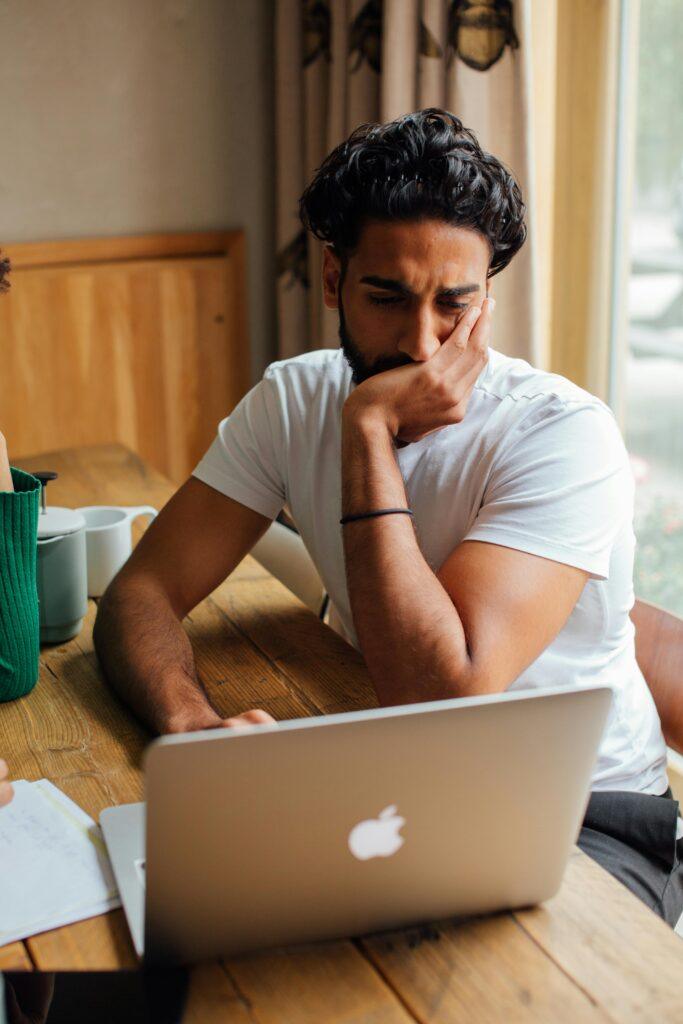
{"points": [[360, 369]]}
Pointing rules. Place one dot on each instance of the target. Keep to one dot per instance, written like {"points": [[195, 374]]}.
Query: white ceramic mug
{"points": [[108, 541]]}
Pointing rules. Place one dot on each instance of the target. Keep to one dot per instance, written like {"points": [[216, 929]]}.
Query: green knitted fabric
{"points": [[19, 626]]}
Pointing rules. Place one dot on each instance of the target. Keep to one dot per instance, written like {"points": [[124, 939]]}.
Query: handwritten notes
{"points": [[54, 867]]}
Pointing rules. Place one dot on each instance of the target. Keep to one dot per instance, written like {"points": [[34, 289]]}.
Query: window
{"points": [[650, 349]]}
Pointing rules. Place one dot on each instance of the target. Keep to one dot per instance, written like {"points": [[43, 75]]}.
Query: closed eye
{"points": [[391, 301]]}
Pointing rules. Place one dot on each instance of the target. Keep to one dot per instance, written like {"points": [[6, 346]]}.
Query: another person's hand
{"points": [[6, 791], [417, 399], [28, 997], [5, 475]]}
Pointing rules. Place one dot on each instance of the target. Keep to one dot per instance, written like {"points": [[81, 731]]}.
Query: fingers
{"points": [[5, 475], [457, 343], [29, 997], [6, 791], [480, 335], [257, 717], [469, 339], [254, 717], [456, 413]]}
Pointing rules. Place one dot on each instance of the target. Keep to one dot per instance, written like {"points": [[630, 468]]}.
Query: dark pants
{"points": [[633, 836]]}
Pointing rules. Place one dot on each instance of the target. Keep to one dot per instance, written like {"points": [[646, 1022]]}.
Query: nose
{"points": [[421, 337]]}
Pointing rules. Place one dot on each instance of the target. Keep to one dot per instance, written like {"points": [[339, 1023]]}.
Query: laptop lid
{"points": [[358, 822]]}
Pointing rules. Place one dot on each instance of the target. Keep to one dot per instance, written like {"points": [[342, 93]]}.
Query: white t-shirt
{"points": [[537, 464]]}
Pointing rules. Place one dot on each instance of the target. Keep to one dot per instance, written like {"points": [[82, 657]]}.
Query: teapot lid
{"points": [[55, 521]]}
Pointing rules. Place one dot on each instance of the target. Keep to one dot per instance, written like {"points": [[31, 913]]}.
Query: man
{"points": [[470, 516]]}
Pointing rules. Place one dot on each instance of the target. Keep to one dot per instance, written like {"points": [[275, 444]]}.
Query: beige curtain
{"points": [[340, 63]]}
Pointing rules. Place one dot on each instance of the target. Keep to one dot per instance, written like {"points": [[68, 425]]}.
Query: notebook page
{"points": [[54, 867]]}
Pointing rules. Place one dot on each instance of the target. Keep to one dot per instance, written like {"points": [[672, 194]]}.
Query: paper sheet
{"points": [[54, 867]]}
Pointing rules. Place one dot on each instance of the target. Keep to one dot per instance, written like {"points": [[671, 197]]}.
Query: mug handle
{"points": [[139, 510]]}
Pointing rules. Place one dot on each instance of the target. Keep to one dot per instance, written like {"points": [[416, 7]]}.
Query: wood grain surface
{"points": [[119, 248], [593, 953], [14, 957], [139, 340]]}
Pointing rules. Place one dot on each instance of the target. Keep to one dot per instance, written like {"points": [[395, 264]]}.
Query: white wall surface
{"points": [[132, 116]]}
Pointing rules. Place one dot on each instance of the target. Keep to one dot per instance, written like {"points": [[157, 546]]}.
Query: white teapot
{"points": [[61, 569]]}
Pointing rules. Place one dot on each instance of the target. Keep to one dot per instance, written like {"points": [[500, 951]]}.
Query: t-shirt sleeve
{"points": [[245, 459], [561, 488]]}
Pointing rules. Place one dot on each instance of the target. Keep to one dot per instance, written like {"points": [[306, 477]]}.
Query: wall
{"points": [[141, 116]]}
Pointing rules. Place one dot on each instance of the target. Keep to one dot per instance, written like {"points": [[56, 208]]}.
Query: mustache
{"points": [[385, 363]]}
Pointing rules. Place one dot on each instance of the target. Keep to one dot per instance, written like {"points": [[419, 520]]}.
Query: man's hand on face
{"points": [[415, 400]]}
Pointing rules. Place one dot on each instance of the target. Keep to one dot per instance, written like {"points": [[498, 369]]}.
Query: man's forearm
{"points": [[147, 658], [409, 631]]}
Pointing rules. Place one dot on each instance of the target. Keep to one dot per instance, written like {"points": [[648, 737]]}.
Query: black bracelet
{"points": [[380, 512]]}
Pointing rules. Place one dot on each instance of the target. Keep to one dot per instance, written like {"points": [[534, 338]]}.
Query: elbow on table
{"points": [[465, 680]]}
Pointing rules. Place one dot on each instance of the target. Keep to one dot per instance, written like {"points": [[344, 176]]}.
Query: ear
{"points": [[331, 275]]}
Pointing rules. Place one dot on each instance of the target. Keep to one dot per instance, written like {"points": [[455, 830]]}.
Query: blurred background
{"points": [[153, 152], [650, 346]]}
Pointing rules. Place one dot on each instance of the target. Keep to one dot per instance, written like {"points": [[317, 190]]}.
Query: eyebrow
{"points": [[391, 285]]}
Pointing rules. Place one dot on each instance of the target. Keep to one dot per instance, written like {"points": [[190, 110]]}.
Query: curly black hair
{"points": [[4, 271], [423, 165]]}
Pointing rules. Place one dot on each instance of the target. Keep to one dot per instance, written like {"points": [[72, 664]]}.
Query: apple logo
{"points": [[377, 837]]}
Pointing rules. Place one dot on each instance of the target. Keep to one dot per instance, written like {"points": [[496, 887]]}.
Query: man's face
{"points": [[406, 286]]}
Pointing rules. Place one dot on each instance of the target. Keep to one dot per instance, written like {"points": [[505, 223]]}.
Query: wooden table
{"points": [[593, 953]]}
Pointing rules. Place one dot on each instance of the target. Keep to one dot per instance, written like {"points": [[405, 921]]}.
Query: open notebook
{"points": [[55, 867]]}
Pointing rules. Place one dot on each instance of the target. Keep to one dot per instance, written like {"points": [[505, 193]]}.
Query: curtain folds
{"points": [[341, 63]]}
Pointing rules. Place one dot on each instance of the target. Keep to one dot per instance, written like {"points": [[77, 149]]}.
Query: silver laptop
{"points": [[353, 823]]}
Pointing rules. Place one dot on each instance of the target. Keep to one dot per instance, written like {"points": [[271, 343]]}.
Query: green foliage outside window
{"points": [[658, 575], [660, 110]]}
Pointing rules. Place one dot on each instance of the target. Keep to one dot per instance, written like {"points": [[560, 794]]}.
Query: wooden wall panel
{"points": [[150, 352]]}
